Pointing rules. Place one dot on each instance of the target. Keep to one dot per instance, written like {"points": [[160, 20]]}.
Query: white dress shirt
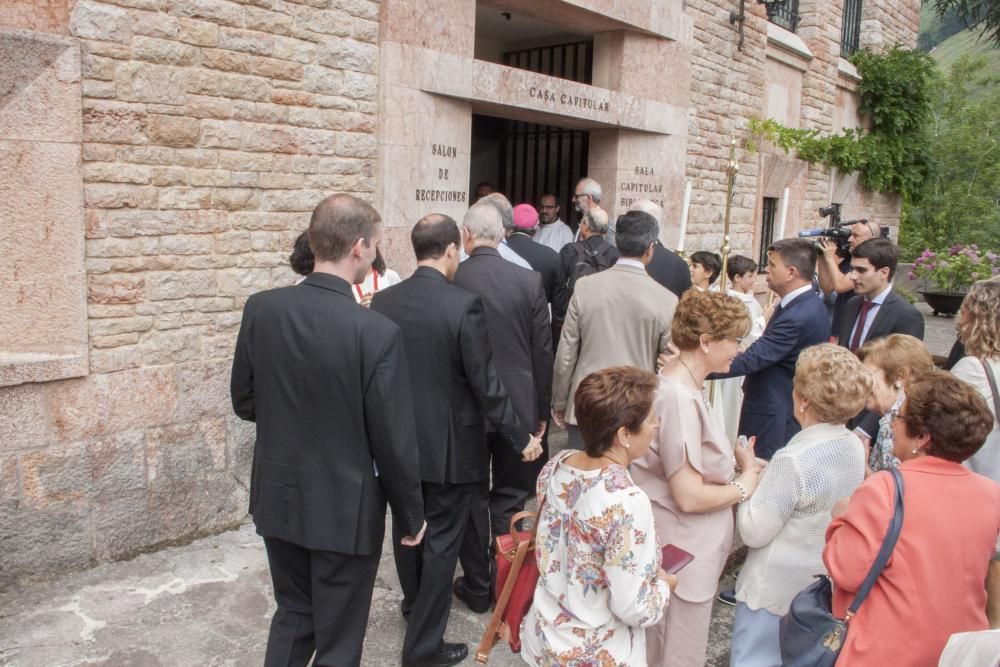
{"points": [[788, 298], [508, 253]]}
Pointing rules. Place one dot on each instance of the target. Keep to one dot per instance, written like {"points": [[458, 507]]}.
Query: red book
{"points": [[674, 559]]}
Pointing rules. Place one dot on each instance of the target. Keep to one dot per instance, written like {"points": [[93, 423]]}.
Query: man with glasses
{"points": [[593, 336], [587, 196], [552, 231]]}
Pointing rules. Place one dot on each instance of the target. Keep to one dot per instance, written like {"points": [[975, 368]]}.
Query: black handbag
{"points": [[809, 634]]}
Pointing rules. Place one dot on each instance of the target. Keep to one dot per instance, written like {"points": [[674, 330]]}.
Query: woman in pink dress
{"points": [[689, 472], [934, 583]]}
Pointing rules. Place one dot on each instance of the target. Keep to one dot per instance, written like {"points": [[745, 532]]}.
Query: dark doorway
{"points": [[526, 160]]}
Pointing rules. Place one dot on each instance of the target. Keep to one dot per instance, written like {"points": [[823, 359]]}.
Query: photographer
{"points": [[834, 267]]}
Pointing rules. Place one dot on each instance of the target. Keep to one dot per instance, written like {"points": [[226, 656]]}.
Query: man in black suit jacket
{"points": [[517, 316], [543, 259], [666, 267], [873, 265], [876, 310], [454, 383], [320, 375]]}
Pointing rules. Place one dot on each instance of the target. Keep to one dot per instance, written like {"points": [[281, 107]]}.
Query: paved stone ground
{"points": [[209, 603]]}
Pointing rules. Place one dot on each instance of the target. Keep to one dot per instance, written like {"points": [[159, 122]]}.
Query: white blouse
{"points": [[987, 460], [784, 523], [598, 558], [373, 283]]}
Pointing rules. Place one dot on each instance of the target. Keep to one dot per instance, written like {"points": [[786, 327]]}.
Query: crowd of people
{"points": [[694, 415]]}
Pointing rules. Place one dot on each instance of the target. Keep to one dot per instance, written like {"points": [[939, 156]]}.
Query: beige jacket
{"points": [[619, 317]]}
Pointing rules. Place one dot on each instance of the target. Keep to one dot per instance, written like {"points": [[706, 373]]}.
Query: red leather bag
{"points": [[517, 574]]}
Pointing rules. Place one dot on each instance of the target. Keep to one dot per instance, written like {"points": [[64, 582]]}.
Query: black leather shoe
{"points": [[448, 654], [476, 603], [728, 597]]}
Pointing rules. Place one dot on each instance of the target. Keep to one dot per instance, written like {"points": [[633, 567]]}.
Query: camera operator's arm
{"points": [[830, 277]]}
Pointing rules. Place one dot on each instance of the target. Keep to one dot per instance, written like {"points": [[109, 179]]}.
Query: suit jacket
{"points": [[895, 315], [769, 367], [618, 317], [517, 317], [453, 380], [321, 377], [543, 259], [669, 270]]}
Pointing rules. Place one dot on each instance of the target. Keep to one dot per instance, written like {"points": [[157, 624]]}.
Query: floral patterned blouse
{"points": [[881, 456], [598, 557]]}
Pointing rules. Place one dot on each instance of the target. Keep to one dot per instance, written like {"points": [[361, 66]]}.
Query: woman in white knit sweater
{"points": [[785, 521]]}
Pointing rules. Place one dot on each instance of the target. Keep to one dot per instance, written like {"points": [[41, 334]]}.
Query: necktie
{"points": [[866, 306]]}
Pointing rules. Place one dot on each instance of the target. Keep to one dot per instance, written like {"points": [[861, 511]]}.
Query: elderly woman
{"points": [[932, 586], [893, 361], [599, 561], [785, 522], [979, 330], [689, 474]]}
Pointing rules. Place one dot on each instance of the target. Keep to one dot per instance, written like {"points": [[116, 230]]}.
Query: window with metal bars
{"points": [[850, 35], [768, 212], [573, 61], [785, 14]]}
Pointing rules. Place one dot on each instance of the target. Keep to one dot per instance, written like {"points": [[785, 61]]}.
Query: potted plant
{"points": [[951, 273]]}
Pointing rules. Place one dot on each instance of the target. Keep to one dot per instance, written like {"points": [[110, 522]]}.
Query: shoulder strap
{"points": [[888, 544], [993, 386], [494, 627]]}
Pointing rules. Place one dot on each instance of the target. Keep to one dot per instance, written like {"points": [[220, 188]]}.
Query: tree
{"points": [[959, 202], [982, 14]]}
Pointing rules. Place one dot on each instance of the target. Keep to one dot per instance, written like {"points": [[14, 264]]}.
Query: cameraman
{"points": [[833, 272]]}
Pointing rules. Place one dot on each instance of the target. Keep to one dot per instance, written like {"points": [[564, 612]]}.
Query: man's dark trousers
{"points": [[425, 571], [310, 589]]}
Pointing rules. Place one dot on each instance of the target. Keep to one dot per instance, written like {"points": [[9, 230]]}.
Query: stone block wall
{"points": [[210, 130]]}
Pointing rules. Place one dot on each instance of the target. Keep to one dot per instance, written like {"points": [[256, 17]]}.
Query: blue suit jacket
{"points": [[769, 367]]}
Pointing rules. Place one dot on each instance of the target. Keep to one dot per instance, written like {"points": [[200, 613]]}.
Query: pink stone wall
{"points": [[210, 130]]}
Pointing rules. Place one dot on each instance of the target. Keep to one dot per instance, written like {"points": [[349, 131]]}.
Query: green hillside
{"points": [[966, 43]]}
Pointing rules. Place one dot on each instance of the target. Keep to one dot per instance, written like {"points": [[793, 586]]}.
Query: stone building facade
{"points": [[160, 156]]}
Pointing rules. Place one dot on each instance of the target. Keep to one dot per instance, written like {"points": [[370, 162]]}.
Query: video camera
{"points": [[839, 231]]}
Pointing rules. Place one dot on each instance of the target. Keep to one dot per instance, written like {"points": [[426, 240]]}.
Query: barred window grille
{"points": [[785, 14], [767, 229], [573, 61], [850, 36]]}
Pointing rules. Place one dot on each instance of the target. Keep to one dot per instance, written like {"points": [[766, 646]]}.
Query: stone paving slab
{"points": [[207, 603]]}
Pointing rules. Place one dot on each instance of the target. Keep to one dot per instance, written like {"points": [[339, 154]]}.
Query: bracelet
{"points": [[742, 489]]}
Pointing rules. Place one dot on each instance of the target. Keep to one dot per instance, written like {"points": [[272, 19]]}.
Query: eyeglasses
{"points": [[896, 413]]}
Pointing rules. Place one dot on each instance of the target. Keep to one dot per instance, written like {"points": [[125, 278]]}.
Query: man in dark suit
{"points": [[799, 321], [321, 377], [665, 267], [454, 383], [517, 317], [543, 259], [876, 310]]}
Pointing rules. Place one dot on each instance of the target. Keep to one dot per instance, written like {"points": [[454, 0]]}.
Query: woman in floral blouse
{"points": [[598, 557]]}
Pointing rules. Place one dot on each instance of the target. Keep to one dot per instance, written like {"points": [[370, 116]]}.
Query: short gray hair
{"points": [[591, 188], [651, 207], [482, 221], [597, 220], [503, 207]]}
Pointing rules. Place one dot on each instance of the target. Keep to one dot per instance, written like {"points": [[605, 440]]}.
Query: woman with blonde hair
{"points": [[785, 521], [979, 330], [893, 361], [689, 475]]}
